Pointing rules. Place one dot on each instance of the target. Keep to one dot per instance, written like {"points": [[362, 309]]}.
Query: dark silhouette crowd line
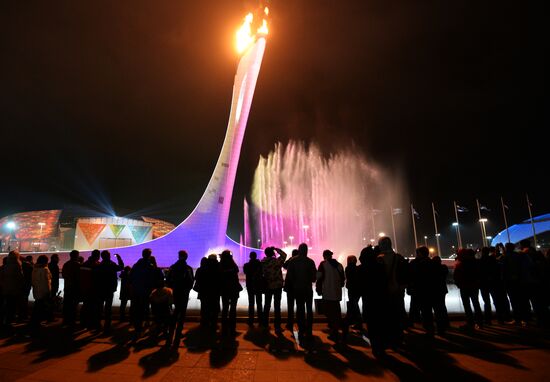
{"points": [[515, 280]]}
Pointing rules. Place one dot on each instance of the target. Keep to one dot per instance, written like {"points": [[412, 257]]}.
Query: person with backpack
{"points": [[180, 278]]}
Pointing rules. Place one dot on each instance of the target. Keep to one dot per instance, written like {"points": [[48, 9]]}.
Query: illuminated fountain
{"points": [[332, 202]]}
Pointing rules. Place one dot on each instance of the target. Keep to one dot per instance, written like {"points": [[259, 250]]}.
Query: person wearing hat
{"points": [[330, 281]]}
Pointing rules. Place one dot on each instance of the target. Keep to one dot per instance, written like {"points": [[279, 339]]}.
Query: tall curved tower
{"points": [[205, 229]]}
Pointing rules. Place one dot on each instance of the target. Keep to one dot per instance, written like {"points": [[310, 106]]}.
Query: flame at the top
{"points": [[245, 36]]}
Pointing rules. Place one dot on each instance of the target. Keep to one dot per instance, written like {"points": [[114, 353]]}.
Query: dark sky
{"points": [[125, 103]]}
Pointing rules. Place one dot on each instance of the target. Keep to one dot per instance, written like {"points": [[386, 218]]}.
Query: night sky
{"points": [[125, 103]]}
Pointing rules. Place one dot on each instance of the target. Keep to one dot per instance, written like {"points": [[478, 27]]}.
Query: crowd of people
{"points": [[516, 281]]}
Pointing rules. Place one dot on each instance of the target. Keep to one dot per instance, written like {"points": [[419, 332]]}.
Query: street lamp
{"points": [[426, 241], [381, 234]]}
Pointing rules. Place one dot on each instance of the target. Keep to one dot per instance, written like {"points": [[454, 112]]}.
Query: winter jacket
{"points": [[41, 282], [271, 269], [13, 277]]}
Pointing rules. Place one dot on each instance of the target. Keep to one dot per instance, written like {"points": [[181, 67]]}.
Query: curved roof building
{"points": [[524, 230]]}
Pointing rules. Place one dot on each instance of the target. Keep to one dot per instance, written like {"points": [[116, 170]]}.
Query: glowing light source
{"points": [[245, 36], [483, 220], [381, 234], [455, 224], [11, 225], [432, 250]]}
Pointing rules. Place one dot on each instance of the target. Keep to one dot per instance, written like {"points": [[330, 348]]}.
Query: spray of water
{"points": [[338, 201]]}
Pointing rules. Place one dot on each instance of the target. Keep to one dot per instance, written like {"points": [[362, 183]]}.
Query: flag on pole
{"points": [[506, 206], [375, 211], [416, 214], [484, 208], [461, 209], [397, 211]]}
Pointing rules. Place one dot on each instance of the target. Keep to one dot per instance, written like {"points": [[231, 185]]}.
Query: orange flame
{"points": [[245, 37]]}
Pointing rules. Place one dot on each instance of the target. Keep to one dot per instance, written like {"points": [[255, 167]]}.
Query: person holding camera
{"points": [[271, 269]]}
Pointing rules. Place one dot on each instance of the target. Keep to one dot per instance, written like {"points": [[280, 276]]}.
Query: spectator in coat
{"points": [[71, 288], [142, 278], [91, 308], [374, 295], [53, 266], [290, 298], [180, 279], [13, 287], [353, 315], [423, 278], [161, 299], [125, 291], [272, 272], [301, 274], [466, 277], [438, 295], [107, 283], [330, 281], [41, 291], [397, 275], [254, 287], [27, 265], [230, 288]]}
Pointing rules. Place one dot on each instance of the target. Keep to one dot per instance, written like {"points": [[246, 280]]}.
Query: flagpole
{"points": [[531, 218], [483, 235], [436, 232], [393, 229], [505, 218], [373, 226], [414, 228], [459, 238]]}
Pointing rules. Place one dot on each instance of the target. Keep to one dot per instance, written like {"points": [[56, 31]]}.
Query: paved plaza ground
{"points": [[496, 353]]}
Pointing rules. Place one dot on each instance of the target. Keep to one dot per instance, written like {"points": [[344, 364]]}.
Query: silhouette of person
{"points": [[142, 280], [23, 304], [301, 274], [353, 314], [71, 288], [180, 278], [438, 295], [91, 308], [41, 291], [466, 277], [374, 295], [396, 269], [290, 300], [331, 279], [230, 288], [423, 278], [254, 286], [271, 269], [107, 283], [13, 287], [161, 300], [124, 291]]}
